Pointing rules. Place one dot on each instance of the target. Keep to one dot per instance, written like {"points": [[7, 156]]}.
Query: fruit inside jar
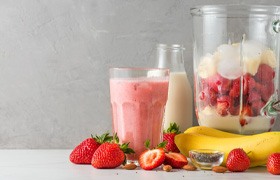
{"points": [[233, 87]]}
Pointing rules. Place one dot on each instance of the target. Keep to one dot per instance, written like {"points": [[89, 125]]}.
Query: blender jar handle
{"points": [[276, 26], [272, 108], [276, 106]]}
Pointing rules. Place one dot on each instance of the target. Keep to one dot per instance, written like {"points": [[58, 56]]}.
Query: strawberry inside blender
{"points": [[232, 88]]}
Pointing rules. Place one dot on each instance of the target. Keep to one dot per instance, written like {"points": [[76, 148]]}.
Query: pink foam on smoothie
{"points": [[138, 108]]}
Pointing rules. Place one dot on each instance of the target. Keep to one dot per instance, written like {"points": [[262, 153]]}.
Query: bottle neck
{"points": [[170, 57]]}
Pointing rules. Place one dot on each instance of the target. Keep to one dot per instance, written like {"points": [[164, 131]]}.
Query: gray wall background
{"points": [[55, 55]]}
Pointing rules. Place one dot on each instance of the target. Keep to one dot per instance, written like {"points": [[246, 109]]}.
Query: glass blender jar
{"points": [[236, 67]]}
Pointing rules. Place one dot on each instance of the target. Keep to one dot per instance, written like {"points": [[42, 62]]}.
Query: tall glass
{"points": [[138, 98]]}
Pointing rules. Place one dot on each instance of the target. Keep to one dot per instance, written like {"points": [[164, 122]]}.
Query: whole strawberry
{"points": [[169, 135], [237, 160], [110, 154], [152, 158], [82, 154], [273, 164]]}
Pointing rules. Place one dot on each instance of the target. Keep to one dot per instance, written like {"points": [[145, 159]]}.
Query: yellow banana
{"points": [[258, 147], [211, 132]]}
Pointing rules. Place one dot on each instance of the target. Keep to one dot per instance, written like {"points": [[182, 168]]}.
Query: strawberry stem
{"points": [[103, 138], [248, 153], [127, 150], [173, 128], [147, 144], [162, 144], [124, 147], [115, 138]]}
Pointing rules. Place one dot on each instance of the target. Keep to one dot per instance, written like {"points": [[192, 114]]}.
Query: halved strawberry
{"points": [[208, 96], [223, 104], [152, 158], [211, 83], [219, 83], [249, 83], [223, 84], [212, 97], [176, 160], [235, 89], [246, 111]]}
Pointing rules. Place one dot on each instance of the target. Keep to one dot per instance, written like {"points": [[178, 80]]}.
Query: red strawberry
{"points": [[110, 154], [210, 83], [219, 83], [202, 83], [237, 160], [273, 164], [208, 96], [246, 111], [223, 84], [169, 135], [264, 74], [272, 121], [256, 107], [253, 96], [176, 160], [152, 158], [235, 90], [82, 154], [243, 122], [223, 104], [258, 87], [267, 90], [234, 110], [248, 83]]}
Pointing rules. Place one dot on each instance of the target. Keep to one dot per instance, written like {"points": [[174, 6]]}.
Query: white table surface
{"points": [[54, 164]]}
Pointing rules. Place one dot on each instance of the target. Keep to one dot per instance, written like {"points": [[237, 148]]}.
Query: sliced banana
{"points": [[208, 65], [268, 57]]}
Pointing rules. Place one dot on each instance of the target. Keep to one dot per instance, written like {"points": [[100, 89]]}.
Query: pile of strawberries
{"points": [[166, 153], [105, 152], [224, 94], [101, 152], [153, 158]]}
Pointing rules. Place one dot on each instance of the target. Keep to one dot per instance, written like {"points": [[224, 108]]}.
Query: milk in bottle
{"points": [[179, 106]]}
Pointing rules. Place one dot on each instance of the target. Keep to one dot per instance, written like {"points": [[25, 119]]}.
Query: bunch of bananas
{"points": [[258, 147]]}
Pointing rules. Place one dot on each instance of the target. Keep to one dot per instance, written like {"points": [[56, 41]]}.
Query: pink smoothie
{"points": [[138, 108]]}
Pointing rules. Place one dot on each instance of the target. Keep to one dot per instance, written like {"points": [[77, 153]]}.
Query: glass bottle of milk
{"points": [[179, 106]]}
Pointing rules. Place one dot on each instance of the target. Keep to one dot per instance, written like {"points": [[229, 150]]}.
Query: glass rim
{"points": [[138, 72], [138, 68], [235, 9], [170, 46]]}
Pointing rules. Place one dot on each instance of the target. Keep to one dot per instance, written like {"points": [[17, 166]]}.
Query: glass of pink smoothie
{"points": [[138, 98]]}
